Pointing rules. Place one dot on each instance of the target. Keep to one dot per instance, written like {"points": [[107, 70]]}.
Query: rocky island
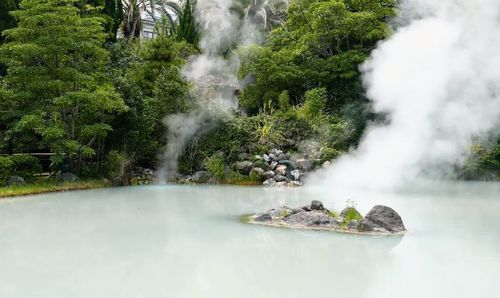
{"points": [[379, 220]]}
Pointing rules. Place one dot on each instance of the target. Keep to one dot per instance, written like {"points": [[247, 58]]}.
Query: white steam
{"points": [[438, 80], [213, 74]]}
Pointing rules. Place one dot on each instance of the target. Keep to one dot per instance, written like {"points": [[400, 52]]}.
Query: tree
{"points": [[56, 89], [132, 23], [6, 20], [187, 25], [164, 14], [114, 10], [321, 44]]}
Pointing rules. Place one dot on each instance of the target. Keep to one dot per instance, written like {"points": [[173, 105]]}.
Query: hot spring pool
{"points": [[187, 241]]}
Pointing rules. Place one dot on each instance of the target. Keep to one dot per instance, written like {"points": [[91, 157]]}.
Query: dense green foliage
{"points": [[56, 92], [70, 87], [187, 25]]}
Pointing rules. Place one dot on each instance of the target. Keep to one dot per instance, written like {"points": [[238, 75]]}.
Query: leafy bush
{"points": [[284, 101], [313, 109], [328, 153], [268, 132], [5, 169], [117, 168], [228, 136], [215, 166], [25, 166]]}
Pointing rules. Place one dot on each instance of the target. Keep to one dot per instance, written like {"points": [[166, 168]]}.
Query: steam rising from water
{"points": [[214, 75], [438, 80]]}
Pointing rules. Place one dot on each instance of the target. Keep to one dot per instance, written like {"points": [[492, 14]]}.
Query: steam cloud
{"points": [[438, 80], [214, 75]]}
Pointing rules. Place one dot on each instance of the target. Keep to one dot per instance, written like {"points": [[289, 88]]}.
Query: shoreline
{"points": [[247, 219], [50, 187]]}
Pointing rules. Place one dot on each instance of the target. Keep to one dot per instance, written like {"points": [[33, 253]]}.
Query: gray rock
{"points": [[303, 164], [281, 170], [200, 177], [317, 205], [269, 174], [280, 212], [276, 151], [264, 217], [353, 225], [326, 164], [244, 167], [266, 158], [310, 219], [288, 163], [16, 180], [280, 178], [281, 184], [295, 174], [295, 183], [257, 174], [67, 177], [273, 165], [306, 208], [283, 156], [381, 219], [269, 182], [297, 210], [273, 157]]}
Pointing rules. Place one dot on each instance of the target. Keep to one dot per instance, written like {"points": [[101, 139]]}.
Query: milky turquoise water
{"points": [[187, 241]]}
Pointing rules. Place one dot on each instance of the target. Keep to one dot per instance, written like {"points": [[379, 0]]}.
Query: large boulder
{"points": [[16, 180], [310, 219], [244, 167], [381, 219], [200, 177]]}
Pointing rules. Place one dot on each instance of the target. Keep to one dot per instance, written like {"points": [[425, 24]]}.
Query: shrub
{"points": [[313, 109], [5, 169], [268, 132], [215, 166], [25, 166], [284, 101], [117, 168], [328, 153]]}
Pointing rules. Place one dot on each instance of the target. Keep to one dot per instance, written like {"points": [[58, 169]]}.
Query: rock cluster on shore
{"points": [[281, 169], [275, 168], [379, 220]]}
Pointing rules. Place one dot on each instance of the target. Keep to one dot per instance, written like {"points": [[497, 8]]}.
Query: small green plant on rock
{"points": [[332, 213]]}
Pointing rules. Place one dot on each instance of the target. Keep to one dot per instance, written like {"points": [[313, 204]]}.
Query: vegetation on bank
{"points": [[44, 186], [77, 82]]}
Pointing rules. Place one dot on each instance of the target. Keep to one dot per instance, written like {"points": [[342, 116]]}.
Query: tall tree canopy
{"points": [[55, 89], [186, 29], [321, 44]]}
